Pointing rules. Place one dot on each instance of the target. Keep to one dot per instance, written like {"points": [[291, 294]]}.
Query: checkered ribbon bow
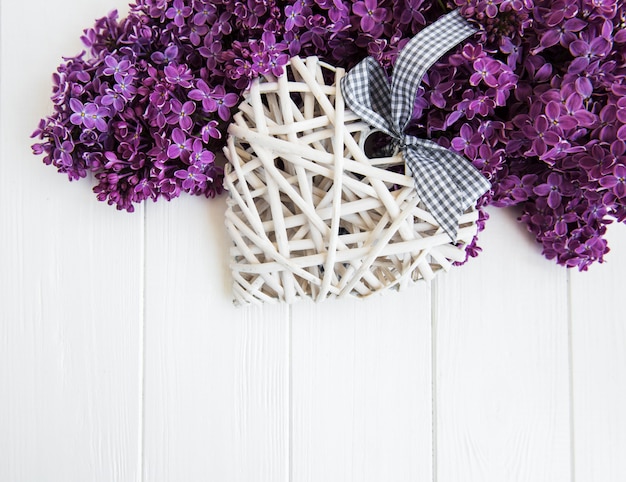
{"points": [[447, 183]]}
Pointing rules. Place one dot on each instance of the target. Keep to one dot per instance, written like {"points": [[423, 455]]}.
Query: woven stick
{"points": [[310, 214]]}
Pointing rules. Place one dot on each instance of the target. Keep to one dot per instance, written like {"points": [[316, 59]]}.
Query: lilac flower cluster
{"points": [[136, 113], [145, 109], [537, 102], [554, 144]]}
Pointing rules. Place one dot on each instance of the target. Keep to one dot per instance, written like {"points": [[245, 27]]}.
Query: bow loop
{"points": [[366, 90], [446, 182]]}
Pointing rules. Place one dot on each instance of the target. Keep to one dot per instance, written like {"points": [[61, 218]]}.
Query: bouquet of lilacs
{"points": [[535, 101], [558, 143]]}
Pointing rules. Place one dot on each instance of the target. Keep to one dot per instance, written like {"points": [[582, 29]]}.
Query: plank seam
{"points": [[434, 295], [570, 355], [290, 391], [141, 475]]}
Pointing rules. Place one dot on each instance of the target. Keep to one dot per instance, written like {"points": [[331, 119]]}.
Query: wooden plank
{"points": [[502, 397], [70, 284], [217, 376], [599, 365], [361, 403]]}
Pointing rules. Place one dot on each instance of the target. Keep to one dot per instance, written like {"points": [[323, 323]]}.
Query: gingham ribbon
{"points": [[447, 183]]}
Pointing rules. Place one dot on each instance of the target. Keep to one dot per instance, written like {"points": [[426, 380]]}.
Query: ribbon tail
{"points": [[417, 56], [447, 184]]}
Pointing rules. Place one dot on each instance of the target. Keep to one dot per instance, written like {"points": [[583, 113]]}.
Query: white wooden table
{"points": [[122, 358]]}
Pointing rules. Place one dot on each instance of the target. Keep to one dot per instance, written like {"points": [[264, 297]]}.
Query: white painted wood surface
{"points": [[122, 358], [598, 329], [502, 386]]}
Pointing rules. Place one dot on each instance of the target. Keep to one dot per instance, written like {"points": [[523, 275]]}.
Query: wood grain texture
{"points": [[502, 364], [361, 403], [122, 358], [70, 284], [216, 398], [599, 365]]}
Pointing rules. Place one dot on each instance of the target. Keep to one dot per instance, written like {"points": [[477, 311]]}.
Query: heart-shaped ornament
{"points": [[311, 212]]}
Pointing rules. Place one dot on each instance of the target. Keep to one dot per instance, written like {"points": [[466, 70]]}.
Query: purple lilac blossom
{"points": [[536, 100]]}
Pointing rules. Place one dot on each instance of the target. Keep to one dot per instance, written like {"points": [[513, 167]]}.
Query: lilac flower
{"points": [[561, 150], [372, 16], [592, 248], [114, 99], [210, 131], [467, 142], [272, 46], [507, 81], [491, 129], [563, 34], [180, 144], [169, 54], [190, 176], [260, 62], [294, 17], [482, 105], [205, 13], [181, 114], [602, 7], [561, 123], [211, 50], [195, 33], [178, 12], [224, 102], [621, 110], [606, 130], [204, 94], [64, 152], [276, 64], [114, 67], [562, 220], [586, 52], [88, 137], [124, 86], [516, 189], [420, 104], [552, 188], [200, 157], [159, 151], [598, 162], [461, 110], [159, 95], [513, 51], [315, 32], [439, 90], [561, 10], [178, 75], [616, 181], [595, 210], [411, 13], [89, 115], [214, 100], [488, 160], [489, 8], [146, 188], [82, 113], [222, 26], [485, 70], [575, 109]]}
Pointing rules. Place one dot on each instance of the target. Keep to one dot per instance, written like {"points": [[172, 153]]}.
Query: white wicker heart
{"points": [[309, 213]]}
